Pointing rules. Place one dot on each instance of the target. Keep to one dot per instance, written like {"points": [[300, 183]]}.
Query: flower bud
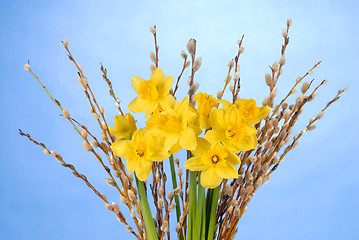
{"points": [[108, 206], [170, 195], [65, 42], [183, 54], [268, 79], [320, 115], [86, 146], [83, 133], [115, 207], [236, 76], [160, 203], [65, 113], [289, 22], [285, 33], [220, 94], [153, 57], [231, 64], [275, 67], [305, 86], [282, 60], [153, 29], [197, 64], [96, 116], [110, 182], [191, 45], [231, 87], [27, 67]]}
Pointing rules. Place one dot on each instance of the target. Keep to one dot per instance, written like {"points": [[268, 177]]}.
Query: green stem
{"points": [[146, 212], [200, 210], [192, 204], [212, 221], [174, 183], [208, 207]]}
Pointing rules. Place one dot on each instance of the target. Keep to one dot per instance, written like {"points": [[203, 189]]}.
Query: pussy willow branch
{"points": [[93, 151], [81, 176], [112, 93], [237, 84], [119, 165], [179, 77]]}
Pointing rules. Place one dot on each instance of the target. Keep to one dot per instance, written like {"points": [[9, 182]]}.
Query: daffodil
{"points": [[248, 110], [140, 152], [125, 126], [228, 128], [214, 160], [153, 94], [173, 126], [205, 103]]}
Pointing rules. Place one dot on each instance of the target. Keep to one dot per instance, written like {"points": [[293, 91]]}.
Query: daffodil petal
{"points": [[213, 136], [232, 115], [164, 86], [122, 149], [138, 105], [175, 148], [239, 102], [181, 109], [204, 122], [132, 163], [188, 139], [136, 82], [210, 178], [227, 171], [118, 134], [217, 119], [225, 104], [159, 154], [164, 101], [195, 164], [263, 113], [233, 158], [170, 140], [143, 170], [138, 135], [151, 107], [157, 76], [202, 146], [248, 143]]}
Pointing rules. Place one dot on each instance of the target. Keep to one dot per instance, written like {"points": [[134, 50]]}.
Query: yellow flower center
{"points": [[140, 151], [248, 110], [169, 123], [205, 103], [215, 159], [147, 90], [232, 131]]}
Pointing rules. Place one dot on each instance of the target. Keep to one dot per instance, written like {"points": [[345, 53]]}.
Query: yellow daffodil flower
{"points": [[248, 110], [228, 128], [139, 153], [124, 128], [215, 161], [153, 93], [172, 125], [205, 103]]}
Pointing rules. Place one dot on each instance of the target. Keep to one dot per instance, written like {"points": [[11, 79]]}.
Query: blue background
{"points": [[312, 195]]}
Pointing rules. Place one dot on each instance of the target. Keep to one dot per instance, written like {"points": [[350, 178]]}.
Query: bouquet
{"points": [[200, 158]]}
